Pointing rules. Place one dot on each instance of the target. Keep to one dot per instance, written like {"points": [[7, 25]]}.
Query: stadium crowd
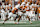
{"points": [[28, 8]]}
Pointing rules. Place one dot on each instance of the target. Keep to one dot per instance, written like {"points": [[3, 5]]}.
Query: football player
{"points": [[13, 14], [39, 12], [27, 14], [32, 12]]}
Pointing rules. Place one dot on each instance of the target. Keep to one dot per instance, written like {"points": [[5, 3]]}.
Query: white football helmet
{"points": [[23, 3], [17, 6], [27, 4], [35, 5], [9, 5], [32, 4]]}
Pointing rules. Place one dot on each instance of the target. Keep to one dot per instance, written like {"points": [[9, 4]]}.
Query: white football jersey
{"points": [[2, 11]]}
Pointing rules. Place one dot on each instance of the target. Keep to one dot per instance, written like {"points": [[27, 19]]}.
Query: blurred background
{"points": [[5, 4]]}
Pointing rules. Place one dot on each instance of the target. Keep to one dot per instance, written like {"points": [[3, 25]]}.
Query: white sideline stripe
{"points": [[22, 25], [11, 22], [25, 25], [29, 25]]}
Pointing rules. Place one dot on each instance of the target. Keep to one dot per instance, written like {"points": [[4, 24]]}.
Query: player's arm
{"points": [[0, 9], [20, 7], [13, 11]]}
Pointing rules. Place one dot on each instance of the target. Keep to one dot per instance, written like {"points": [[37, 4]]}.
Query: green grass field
{"points": [[34, 24]]}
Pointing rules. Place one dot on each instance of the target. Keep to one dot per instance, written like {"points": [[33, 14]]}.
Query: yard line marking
{"points": [[22, 25]]}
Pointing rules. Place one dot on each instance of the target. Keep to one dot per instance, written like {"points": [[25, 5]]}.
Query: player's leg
{"points": [[1, 15], [20, 15], [29, 19], [15, 18], [19, 19], [5, 19], [8, 17], [27, 16]]}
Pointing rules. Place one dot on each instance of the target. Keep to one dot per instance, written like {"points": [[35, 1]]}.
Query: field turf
{"points": [[34, 24]]}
